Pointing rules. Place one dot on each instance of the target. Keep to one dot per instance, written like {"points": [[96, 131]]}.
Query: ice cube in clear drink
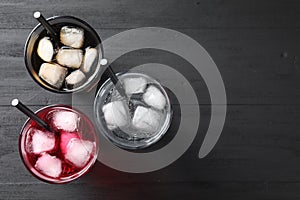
{"points": [[116, 114], [134, 85], [154, 97], [146, 119]]}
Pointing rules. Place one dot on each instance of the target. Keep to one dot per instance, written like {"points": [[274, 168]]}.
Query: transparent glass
{"points": [[33, 61], [69, 171], [129, 136]]}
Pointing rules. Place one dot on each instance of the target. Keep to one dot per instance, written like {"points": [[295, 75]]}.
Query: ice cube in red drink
{"points": [[65, 138], [78, 151], [64, 120], [49, 165], [41, 141]]}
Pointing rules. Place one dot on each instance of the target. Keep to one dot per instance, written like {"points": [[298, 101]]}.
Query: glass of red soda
{"points": [[65, 153]]}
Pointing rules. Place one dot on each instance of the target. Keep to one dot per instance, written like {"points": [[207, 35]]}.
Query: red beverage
{"points": [[64, 154]]}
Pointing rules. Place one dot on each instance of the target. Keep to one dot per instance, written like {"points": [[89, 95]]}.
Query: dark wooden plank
{"points": [[167, 13], [268, 60], [181, 190], [16, 83], [256, 47], [258, 143]]}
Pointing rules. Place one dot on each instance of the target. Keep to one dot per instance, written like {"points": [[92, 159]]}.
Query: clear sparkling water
{"points": [[133, 123]]}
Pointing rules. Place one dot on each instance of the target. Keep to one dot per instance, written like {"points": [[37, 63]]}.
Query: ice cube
{"points": [[72, 36], [135, 85], [153, 97], [53, 74], [65, 120], [75, 79], [42, 141], [115, 114], [79, 151], [71, 58], [65, 138], [146, 119], [45, 49], [88, 145], [89, 59], [49, 165]]}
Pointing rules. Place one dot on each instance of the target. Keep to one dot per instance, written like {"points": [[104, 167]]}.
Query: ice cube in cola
{"points": [[64, 154]]}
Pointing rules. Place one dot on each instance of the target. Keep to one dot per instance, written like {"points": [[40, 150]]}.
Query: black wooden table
{"points": [[256, 46]]}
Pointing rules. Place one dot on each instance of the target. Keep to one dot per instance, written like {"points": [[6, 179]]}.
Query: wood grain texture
{"points": [[168, 13], [255, 45]]}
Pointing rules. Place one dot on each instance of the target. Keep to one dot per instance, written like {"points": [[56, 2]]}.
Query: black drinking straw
{"points": [[37, 15], [16, 103], [115, 80], [113, 77]]}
